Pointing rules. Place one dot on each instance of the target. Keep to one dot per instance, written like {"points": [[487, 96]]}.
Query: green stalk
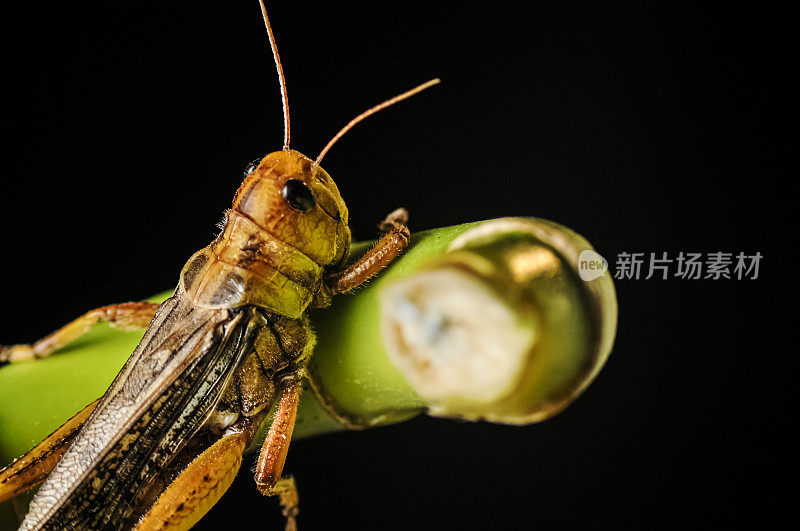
{"points": [[38, 396], [486, 320], [503, 327]]}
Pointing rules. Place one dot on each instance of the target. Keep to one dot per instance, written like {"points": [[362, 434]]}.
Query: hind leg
{"points": [[31, 469], [200, 485]]}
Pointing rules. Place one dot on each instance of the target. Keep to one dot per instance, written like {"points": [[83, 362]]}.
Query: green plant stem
{"points": [[361, 385]]}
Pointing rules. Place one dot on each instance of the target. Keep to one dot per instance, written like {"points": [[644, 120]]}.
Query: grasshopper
{"points": [[165, 442]]}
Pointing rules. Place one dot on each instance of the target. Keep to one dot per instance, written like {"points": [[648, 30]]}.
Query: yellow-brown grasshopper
{"points": [[166, 440]]}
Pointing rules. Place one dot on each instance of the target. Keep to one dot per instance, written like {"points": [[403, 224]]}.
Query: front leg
{"points": [[128, 315], [273, 454], [386, 249]]}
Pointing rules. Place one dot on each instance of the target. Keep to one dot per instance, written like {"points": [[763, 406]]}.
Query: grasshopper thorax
{"points": [[287, 225]]}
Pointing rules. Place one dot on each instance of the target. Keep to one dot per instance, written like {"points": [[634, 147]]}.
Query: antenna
{"points": [[372, 111], [281, 79]]}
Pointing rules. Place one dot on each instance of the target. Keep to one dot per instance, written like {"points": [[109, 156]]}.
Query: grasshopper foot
{"points": [[15, 353], [394, 220]]}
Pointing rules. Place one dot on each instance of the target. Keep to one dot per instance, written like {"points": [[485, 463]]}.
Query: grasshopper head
{"points": [[297, 202], [294, 200], [287, 224]]}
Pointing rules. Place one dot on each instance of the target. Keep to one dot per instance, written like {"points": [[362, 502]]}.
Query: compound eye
{"points": [[298, 196], [252, 167]]}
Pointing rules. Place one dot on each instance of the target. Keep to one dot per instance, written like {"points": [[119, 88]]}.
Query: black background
{"points": [[647, 128]]}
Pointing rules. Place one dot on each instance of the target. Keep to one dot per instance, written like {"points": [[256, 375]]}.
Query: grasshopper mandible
{"points": [[165, 441]]}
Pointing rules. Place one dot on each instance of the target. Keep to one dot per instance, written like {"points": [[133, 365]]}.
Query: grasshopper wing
{"points": [[160, 398]]}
